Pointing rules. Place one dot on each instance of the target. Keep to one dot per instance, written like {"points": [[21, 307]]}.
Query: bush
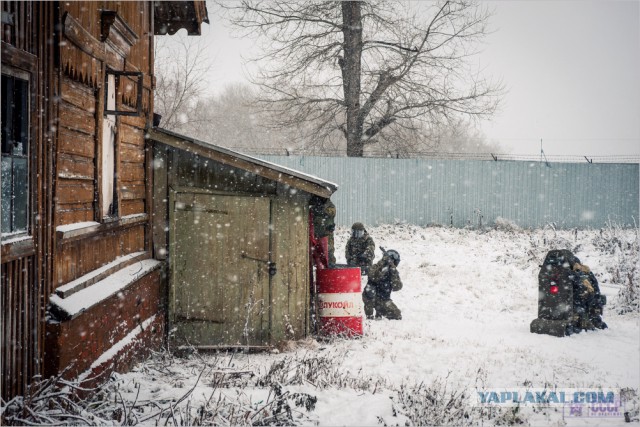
{"points": [[614, 241]]}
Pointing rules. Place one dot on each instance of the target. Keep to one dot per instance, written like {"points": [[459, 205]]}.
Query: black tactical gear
{"points": [[569, 296], [394, 255], [383, 279]]}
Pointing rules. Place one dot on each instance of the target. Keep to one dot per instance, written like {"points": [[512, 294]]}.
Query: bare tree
{"points": [[181, 65], [458, 136], [228, 119], [371, 71]]}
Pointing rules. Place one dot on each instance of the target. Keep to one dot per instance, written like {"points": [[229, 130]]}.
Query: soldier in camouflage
{"points": [[383, 279], [588, 302], [360, 249], [323, 213]]}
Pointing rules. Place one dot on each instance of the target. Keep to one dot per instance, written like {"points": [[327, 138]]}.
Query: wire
{"points": [[441, 155]]}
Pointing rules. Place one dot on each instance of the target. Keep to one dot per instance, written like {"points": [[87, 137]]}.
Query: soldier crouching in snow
{"points": [[588, 302], [383, 278]]}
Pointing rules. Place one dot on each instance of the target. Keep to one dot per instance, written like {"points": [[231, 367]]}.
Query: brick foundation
{"points": [[112, 328]]}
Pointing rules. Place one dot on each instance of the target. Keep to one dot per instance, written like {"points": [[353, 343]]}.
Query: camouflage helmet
{"points": [[358, 226]]}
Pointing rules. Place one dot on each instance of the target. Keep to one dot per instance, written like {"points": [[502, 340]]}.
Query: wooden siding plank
{"points": [[74, 212], [131, 207], [132, 153], [75, 167], [79, 257], [74, 118], [78, 95], [132, 172], [131, 192], [73, 191], [139, 122], [131, 134], [20, 313], [73, 142]]}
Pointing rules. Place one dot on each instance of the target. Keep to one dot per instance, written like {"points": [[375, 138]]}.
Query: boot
{"points": [[598, 323], [587, 325], [571, 329]]}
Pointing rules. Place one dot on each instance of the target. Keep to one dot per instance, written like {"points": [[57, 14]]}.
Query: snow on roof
{"points": [[86, 298], [332, 187]]}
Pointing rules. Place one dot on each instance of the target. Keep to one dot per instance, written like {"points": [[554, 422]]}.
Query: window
{"points": [[118, 85], [15, 152], [109, 128], [124, 85]]}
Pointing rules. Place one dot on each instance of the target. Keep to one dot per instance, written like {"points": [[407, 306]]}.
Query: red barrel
{"points": [[340, 301]]}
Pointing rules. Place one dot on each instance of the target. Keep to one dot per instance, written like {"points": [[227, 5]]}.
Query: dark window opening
{"points": [[127, 88], [15, 155]]}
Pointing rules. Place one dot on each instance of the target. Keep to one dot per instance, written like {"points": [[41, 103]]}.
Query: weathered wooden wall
{"points": [[85, 239], [83, 63], [77, 257], [289, 287], [20, 317], [59, 44], [27, 263], [290, 290]]}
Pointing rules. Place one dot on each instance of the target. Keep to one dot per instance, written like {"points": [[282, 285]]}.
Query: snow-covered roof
{"points": [[297, 179]]}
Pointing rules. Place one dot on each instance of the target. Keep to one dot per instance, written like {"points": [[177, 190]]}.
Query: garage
{"points": [[234, 232]]}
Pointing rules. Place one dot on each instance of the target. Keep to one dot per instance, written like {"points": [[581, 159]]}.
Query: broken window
{"points": [[15, 152], [109, 129]]}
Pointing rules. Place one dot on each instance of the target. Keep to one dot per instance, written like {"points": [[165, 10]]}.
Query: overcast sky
{"points": [[572, 69]]}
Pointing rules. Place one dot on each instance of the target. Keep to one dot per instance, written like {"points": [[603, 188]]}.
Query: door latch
{"points": [[272, 268], [270, 264]]}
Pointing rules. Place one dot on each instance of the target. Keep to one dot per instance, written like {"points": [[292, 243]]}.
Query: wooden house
{"points": [[80, 288], [235, 230]]}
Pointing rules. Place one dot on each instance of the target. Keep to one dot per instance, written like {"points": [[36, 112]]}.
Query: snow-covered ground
{"points": [[467, 302]]}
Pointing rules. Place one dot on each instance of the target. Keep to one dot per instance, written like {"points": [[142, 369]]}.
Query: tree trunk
{"points": [[351, 69]]}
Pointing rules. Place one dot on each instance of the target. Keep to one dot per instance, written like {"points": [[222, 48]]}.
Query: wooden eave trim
{"points": [[202, 14], [115, 31], [84, 41], [229, 160], [97, 228], [112, 21]]}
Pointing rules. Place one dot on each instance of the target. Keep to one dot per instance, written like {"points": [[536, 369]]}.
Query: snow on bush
{"points": [[503, 224]]}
